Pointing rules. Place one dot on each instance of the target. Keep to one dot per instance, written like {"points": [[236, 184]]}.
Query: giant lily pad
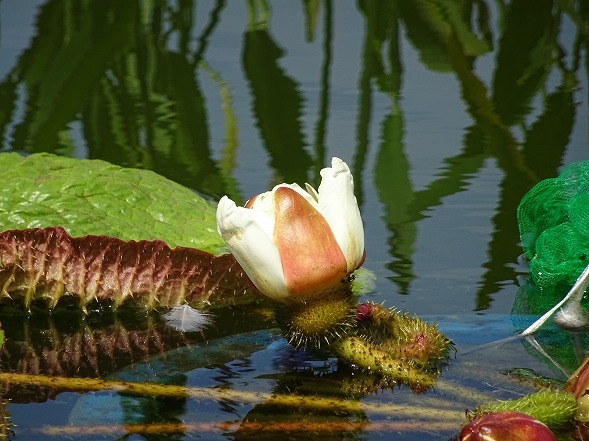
{"points": [[99, 198]]}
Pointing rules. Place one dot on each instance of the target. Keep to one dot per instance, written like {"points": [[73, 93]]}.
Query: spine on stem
{"points": [[363, 355]]}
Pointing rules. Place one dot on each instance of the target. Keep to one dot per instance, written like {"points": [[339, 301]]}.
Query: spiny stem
{"points": [[554, 408], [361, 353], [317, 320]]}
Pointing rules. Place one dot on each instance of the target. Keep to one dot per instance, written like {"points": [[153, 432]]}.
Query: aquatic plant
{"points": [[297, 247], [553, 407], [300, 249], [47, 265], [294, 243]]}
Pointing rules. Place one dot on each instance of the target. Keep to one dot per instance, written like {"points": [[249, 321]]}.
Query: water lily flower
{"points": [[506, 426], [293, 242]]}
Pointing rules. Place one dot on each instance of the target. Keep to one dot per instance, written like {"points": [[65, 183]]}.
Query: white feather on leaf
{"points": [[185, 318]]}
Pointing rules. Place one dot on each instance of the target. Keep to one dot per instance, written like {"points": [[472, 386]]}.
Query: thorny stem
{"points": [[360, 353]]}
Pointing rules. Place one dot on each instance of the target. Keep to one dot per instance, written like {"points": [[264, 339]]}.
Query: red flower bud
{"points": [[363, 312], [506, 426]]}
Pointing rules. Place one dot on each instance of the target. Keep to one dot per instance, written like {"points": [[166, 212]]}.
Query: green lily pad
{"points": [[99, 198]]}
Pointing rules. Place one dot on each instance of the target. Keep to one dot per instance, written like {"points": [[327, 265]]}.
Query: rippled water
{"points": [[447, 112]]}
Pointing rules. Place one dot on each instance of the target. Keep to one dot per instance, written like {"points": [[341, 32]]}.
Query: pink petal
{"points": [[311, 257]]}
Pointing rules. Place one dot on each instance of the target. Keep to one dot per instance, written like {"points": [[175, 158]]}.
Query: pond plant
{"points": [[506, 425], [130, 77], [299, 248]]}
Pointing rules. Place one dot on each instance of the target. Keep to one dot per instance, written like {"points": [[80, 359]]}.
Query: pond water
{"points": [[447, 112]]}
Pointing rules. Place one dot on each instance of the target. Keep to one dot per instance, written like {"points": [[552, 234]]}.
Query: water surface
{"points": [[447, 112]]}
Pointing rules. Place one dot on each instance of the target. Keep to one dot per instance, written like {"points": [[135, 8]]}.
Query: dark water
{"points": [[446, 111]]}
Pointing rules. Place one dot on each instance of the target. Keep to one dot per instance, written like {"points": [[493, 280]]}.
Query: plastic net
{"points": [[553, 220], [562, 347]]}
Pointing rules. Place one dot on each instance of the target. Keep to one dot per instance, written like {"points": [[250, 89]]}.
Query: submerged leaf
{"points": [[48, 265], [185, 318]]}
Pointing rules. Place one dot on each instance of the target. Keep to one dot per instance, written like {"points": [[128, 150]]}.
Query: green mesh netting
{"points": [[553, 220]]}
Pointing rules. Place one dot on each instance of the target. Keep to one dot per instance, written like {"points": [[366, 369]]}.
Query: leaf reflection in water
{"points": [[302, 393]]}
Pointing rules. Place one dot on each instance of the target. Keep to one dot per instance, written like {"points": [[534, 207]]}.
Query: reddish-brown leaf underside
{"points": [[46, 265]]}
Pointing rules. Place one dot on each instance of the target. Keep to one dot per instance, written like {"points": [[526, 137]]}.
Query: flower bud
{"points": [[506, 426], [295, 243]]}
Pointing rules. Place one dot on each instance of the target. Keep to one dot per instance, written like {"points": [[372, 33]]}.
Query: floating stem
{"points": [[399, 348], [362, 354], [403, 336]]}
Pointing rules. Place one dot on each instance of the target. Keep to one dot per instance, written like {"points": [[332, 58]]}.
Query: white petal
{"points": [[262, 210], [338, 205], [311, 190], [245, 234]]}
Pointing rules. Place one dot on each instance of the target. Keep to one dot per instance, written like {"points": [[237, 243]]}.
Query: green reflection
{"points": [[126, 72], [430, 26], [323, 113], [276, 105], [524, 57], [381, 37], [124, 82], [449, 37]]}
